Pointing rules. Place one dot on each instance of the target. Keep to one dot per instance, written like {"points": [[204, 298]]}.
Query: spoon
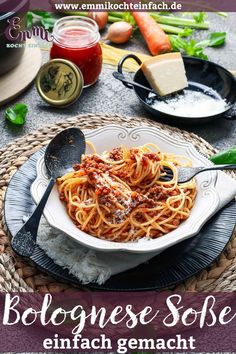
{"points": [[61, 154]]}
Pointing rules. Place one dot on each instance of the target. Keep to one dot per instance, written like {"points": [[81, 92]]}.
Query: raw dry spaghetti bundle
{"points": [[118, 196]]}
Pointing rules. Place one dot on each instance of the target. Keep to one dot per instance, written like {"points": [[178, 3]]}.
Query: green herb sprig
{"points": [[225, 157], [46, 19], [196, 49], [16, 114]]}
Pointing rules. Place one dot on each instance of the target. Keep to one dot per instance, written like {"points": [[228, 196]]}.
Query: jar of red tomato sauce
{"points": [[76, 39]]}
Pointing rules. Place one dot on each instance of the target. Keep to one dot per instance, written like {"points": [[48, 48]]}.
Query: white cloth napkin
{"points": [[95, 266]]}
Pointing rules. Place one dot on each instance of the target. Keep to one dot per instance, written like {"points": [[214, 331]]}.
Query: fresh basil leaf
{"points": [[16, 114], [225, 157], [214, 39]]}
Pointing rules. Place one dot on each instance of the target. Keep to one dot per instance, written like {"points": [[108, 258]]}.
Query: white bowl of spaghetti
{"points": [[113, 200]]}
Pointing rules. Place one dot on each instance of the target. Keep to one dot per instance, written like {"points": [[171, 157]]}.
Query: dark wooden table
{"points": [[109, 96]]}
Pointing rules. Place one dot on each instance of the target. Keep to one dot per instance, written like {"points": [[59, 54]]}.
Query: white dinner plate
{"points": [[111, 136]]}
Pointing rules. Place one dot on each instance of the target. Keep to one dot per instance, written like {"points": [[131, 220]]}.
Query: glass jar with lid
{"points": [[76, 38]]}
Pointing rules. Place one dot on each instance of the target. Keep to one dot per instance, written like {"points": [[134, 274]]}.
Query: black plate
{"points": [[169, 268], [201, 75]]}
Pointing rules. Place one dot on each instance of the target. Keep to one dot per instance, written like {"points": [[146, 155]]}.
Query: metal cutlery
{"points": [[185, 174]]}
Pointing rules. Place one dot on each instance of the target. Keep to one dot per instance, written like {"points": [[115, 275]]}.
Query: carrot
{"points": [[157, 41]]}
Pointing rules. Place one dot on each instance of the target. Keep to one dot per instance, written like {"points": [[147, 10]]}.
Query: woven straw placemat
{"points": [[18, 275]]}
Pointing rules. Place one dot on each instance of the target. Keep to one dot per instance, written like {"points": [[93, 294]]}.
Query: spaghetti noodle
{"points": [[118, 195]]}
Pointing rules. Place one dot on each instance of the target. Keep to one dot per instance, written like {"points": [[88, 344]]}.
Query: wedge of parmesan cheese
{"points": [[165, 73]]}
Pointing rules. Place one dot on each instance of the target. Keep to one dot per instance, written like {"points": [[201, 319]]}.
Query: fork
{"points": [[185, 174]]}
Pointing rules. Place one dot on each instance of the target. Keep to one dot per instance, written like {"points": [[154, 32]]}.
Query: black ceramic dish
{"points": [[201, 74], [173, 266], [10, 56]]}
